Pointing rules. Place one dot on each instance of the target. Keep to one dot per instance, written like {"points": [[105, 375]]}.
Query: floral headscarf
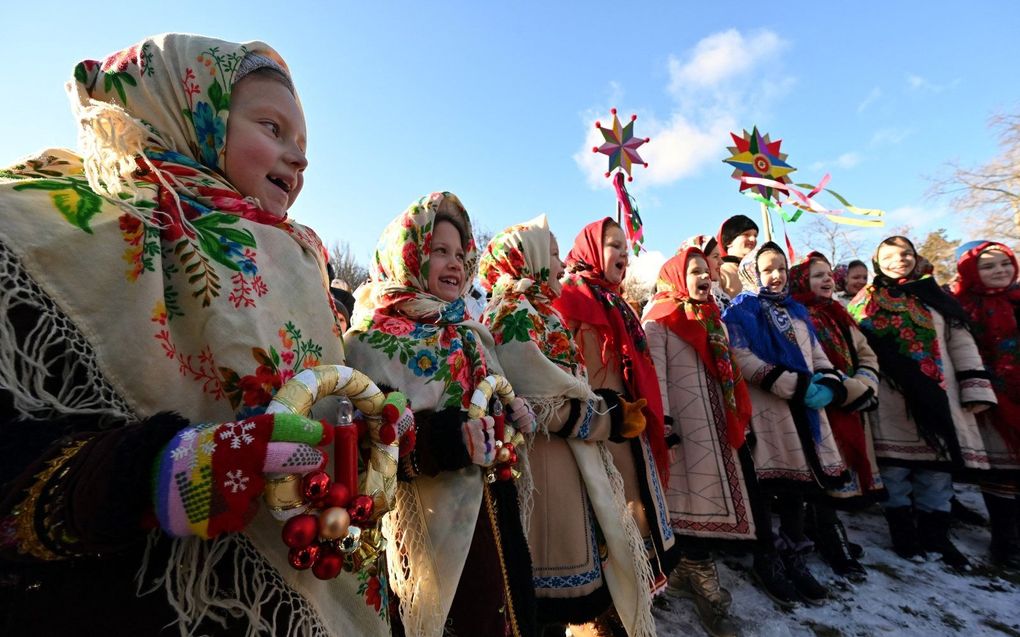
{"points": [[832, 325], [993, 314], [895, 315], [831, 320], [588, 297], [839, 276], [699, 323], [515, 270], [762, 321], [397, 315], [173, 291]]}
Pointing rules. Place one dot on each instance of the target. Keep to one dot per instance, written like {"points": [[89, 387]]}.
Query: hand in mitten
{"points": [[209, 477], [521, 415], [817, 396], [480, 440], [633, 418]]}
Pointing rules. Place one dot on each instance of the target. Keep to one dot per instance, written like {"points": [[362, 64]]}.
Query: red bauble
{"points": [[390, 413], [328, 565], [361, 509], [513, 454], [387, 434], [315, 485], [504, 473], [337, 496], [303, 558], [300, 531]]}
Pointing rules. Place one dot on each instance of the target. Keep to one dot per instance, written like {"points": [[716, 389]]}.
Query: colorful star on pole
{"points": [[621, 145], [756, 156]]}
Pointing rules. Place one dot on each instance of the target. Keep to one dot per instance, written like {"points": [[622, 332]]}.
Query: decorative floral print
{"points": [[408, 324]]}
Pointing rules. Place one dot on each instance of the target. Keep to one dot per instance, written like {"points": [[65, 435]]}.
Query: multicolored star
{"points": [[755, 155], [621, 145]]}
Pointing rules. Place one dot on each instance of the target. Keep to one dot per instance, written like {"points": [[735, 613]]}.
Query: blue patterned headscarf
{"points": [[762, 321]]}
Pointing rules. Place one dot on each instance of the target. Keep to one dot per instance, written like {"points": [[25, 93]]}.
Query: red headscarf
{"points": [[832, 325], [588, 297], [993, 318], [699, 323]]}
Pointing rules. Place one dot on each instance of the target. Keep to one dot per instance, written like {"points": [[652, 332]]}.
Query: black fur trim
{"points": [[615, 413], [967, 374], [673, 440], [860, 402], [440, 442], [573, 610], [570, 426], [771, 377]]}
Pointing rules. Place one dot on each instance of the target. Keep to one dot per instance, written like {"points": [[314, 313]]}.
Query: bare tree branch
{"points": [[345, 267]]}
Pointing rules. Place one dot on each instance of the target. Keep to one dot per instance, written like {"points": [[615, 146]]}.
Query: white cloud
{"points": [[642, 271], [889, 136], [720, 57], [870, 99], [845, 161], [712, 97], [918, 83]]}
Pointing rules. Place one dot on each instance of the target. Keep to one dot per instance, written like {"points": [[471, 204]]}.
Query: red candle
{"points": [[345, 447]]}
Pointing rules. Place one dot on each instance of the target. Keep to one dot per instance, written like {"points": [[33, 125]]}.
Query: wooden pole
{"points": [[766, 222]]}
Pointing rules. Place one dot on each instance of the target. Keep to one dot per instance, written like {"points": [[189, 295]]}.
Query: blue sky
{"points": [[497, 101]]}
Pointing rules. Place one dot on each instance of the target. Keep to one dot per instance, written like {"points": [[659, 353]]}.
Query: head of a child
{"points": [[738, 236], [820, 279], [996, 268], [448, 252], [614, 252], [713, 258], [772, 268], [896, 258], [264, 152], [856, 277], [698, 278]]}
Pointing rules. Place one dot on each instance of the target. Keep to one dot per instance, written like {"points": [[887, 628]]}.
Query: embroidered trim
{"points": [[26, 513]]}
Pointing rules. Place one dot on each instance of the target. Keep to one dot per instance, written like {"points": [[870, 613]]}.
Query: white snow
{"points": [[899, 598]]}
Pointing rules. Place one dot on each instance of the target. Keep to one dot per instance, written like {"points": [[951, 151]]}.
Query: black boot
{"points": [[1002, 513], [769, 571], [903, 533], [962, 513], [933, 530], [809, 589], [834, 547]]}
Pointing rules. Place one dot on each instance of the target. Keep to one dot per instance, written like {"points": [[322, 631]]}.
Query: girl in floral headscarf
{"points": [[708, 409], [158, 272], [615, 351], [933, 382], [847, 349], [986, 287], [790, 380], [709, 247], [573, 470], [459, 560]]}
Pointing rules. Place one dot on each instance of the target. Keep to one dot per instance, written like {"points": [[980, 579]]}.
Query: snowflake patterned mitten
{"points": [[209, 477], [521, 415]]}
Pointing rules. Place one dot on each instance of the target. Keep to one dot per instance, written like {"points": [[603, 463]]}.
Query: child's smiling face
{"points": [[896, 260], [265, 146], [996, 269], [772, 270], [699, 279], [820, 279]]}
